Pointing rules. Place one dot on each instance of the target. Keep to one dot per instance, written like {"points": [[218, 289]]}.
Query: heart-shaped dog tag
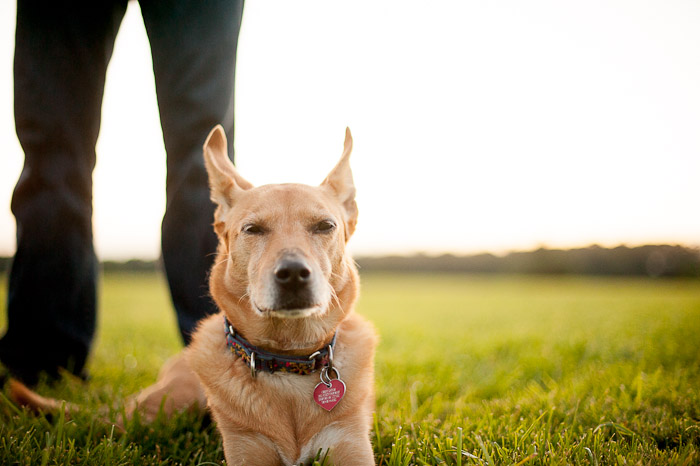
{"points": [[329, 395]]}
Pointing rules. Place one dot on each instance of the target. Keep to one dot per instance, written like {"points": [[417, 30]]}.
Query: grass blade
{"points": [[489, 460], [619, 428]]}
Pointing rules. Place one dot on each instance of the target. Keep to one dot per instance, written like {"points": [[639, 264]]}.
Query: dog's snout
{"points": [[292, 272]]}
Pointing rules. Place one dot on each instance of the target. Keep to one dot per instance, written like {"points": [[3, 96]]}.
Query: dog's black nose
{"points": [[292, 272]]}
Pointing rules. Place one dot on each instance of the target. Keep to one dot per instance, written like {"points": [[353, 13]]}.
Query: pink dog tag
{"points": [[328, 396]]}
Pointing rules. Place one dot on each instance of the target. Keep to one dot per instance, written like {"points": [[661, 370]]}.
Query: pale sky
{"points": [[478, 125]]}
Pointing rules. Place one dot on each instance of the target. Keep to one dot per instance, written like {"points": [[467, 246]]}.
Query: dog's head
{"points": [[281, 260]]}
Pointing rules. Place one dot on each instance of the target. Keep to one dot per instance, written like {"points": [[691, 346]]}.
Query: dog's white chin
{"points": [[297, 313], [292, 313]]}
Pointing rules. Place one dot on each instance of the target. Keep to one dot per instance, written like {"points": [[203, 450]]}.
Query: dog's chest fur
{"points": [[280, 406]]}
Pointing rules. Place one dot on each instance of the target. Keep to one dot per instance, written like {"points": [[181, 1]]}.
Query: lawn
{"points": [[470, 370]]}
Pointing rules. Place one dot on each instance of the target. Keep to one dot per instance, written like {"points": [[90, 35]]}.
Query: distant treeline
{"points": [[655, 261], [652, 260], [134, 265]]}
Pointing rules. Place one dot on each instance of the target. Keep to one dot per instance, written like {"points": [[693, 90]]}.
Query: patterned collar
{"points": [[262, 361]]}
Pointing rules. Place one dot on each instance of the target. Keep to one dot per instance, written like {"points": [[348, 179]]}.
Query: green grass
{"points": [[470, 370]]}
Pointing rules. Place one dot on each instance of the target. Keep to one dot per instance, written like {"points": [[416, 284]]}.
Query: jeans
{"points": [[62, 50]]}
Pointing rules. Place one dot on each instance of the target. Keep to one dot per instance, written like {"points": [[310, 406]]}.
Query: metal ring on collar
{"points": [[330, 357], [325, 378], [253, 372]]}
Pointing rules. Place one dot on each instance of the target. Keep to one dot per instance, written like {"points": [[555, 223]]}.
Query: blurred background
{"points": [[478, 126], [528, 137]]}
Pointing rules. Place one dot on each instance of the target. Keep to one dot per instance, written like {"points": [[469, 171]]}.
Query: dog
{"points": [[287, 367]]}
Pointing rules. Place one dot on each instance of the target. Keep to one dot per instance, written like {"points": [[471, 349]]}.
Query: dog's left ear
{"points": [[341, 184]]}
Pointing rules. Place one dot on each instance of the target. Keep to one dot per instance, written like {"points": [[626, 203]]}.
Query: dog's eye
{"points": [[253, 229], [324, 226]]}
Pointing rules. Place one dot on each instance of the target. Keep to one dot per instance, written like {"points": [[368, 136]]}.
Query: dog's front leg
{"points": [[347, 443], [177, 389], [249, 449], [355, 451]]}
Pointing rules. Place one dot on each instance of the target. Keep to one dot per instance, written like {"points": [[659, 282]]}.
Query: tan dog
{"points": [[286, 284], [287, 287]]}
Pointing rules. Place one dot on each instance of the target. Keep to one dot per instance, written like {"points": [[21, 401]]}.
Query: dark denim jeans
{"points": [[61, 55]]}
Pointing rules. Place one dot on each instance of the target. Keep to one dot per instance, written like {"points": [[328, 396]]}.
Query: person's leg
{"points": [[61, 54], [193, 45]]}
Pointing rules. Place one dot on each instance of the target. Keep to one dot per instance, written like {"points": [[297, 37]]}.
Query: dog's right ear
{"points": [[224, 180]]}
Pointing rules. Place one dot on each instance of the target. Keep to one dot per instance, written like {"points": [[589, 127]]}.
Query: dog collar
{"points": [[263, 361]]}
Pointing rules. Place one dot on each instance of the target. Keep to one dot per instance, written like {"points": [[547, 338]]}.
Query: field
{"points": [[470, 370]]}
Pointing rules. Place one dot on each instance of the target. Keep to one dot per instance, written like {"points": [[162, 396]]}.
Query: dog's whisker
{"points": [[224, 260], [243, 296], [335, 300]]}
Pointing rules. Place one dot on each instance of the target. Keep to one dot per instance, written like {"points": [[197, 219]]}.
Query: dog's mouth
{"points": [[294, 288], [290, 313]]}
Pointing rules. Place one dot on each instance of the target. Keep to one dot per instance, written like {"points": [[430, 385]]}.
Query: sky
{"points": [[478, 125]]}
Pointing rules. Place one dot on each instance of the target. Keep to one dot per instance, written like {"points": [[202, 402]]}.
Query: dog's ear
{"points": [[224, 180], [340, 182]]}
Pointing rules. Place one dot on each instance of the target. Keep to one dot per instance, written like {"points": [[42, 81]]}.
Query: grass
{"points": [[470, 370]]}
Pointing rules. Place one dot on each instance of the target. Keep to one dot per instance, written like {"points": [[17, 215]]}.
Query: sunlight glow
{"points": [[477, 126]]}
